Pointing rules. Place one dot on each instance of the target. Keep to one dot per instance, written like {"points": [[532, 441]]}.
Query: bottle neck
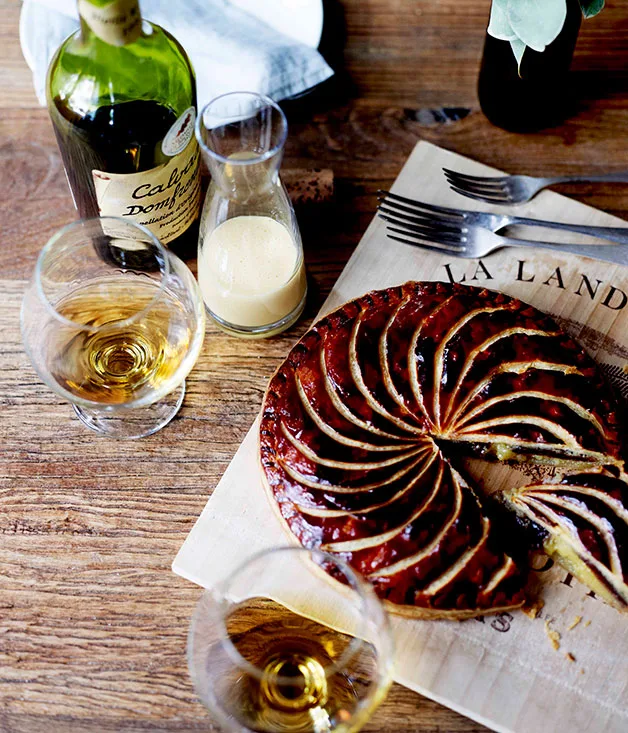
{"points": [[115, 22]]}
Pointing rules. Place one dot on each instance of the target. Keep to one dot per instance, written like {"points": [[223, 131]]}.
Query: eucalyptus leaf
{"points": [[518, 47], [537, 22], [498, 25], [591, 7]]}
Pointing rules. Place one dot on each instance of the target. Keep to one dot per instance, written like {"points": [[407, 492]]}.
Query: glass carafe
{"points": [[250, 257]]}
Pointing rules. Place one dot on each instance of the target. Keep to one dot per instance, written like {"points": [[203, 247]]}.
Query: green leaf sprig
{"points": [[533, 23]]}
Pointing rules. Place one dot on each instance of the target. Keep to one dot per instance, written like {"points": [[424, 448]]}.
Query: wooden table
{"points": [[93, 624]]}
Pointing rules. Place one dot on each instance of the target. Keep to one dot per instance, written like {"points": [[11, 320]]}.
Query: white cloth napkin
{"points": [[230, 49]]}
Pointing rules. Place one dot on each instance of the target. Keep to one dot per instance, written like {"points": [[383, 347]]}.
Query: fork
{"points": [[516, 189], [418, 212], [471, 240]]}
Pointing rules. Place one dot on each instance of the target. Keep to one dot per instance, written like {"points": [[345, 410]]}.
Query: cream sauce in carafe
{"points": [[251, 271]]}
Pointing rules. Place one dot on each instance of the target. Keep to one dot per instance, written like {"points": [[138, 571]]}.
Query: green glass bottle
{"points": [[122, 99]]}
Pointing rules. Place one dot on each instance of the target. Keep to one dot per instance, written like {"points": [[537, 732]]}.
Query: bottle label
{"points": [[180, 134], [166, 199], [118, 23]]}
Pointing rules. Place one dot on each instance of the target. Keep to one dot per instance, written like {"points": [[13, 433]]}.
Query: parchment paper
{"points": [[501, 670]]}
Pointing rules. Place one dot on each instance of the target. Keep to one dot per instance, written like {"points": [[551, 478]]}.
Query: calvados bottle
{"points": [[122, 99]]}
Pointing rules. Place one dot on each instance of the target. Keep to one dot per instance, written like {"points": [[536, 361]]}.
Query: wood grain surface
{"points": [[93, 623]]}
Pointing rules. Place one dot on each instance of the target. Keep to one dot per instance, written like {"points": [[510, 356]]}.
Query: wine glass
{"points": [[258, 665], [113, 323]]}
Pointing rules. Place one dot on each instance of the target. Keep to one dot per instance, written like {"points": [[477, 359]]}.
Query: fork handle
{"points": [[606, 252], [621, 177], [612, 234]]}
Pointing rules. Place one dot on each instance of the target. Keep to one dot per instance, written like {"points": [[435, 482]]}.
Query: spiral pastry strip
{"points": [[362, 421]]}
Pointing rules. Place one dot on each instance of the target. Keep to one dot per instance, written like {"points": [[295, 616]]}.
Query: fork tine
{"points": [[419, 217], [425, 244], [475, 179], [386, 195], [414, 211], [442, 235], [487, 198], [477, 187], [427, 235]]}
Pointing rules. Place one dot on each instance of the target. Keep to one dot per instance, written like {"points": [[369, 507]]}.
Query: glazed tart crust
{"points": [[361, 422]]}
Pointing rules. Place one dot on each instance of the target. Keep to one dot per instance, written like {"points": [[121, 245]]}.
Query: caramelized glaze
{"points": [[359, 421]]}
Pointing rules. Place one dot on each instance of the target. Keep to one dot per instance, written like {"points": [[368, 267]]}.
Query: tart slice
{"points": [[584, 523]]}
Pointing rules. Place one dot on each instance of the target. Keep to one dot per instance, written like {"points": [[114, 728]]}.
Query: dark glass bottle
{"points": [[538, 94]]}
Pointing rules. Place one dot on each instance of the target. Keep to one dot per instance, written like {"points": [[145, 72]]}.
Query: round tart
{"points": [[363, 422]]}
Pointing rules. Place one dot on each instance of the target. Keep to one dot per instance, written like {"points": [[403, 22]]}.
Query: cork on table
{"points": [[93, 626]]}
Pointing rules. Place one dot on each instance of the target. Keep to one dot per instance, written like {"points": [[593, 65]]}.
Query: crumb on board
{"points": [[532, 610], [552, 635], [588, 623], [574, 623], [581, 671], [570, 657]]}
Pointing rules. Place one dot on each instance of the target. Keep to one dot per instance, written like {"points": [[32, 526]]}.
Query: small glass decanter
{"points": [[250, 257]]}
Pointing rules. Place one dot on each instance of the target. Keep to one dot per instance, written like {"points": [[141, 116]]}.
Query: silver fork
{"points": [[516, 189], [417, 212], [467, 239]]}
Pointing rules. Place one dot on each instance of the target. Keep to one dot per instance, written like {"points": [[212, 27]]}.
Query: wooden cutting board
{"points": [[504, 670]]}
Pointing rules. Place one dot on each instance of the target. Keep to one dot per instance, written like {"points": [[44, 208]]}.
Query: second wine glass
{"points": [[259, 666]]}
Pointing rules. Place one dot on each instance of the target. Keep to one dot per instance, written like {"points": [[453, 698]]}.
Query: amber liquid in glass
{"points": [[118, 361], [301, 684]]}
